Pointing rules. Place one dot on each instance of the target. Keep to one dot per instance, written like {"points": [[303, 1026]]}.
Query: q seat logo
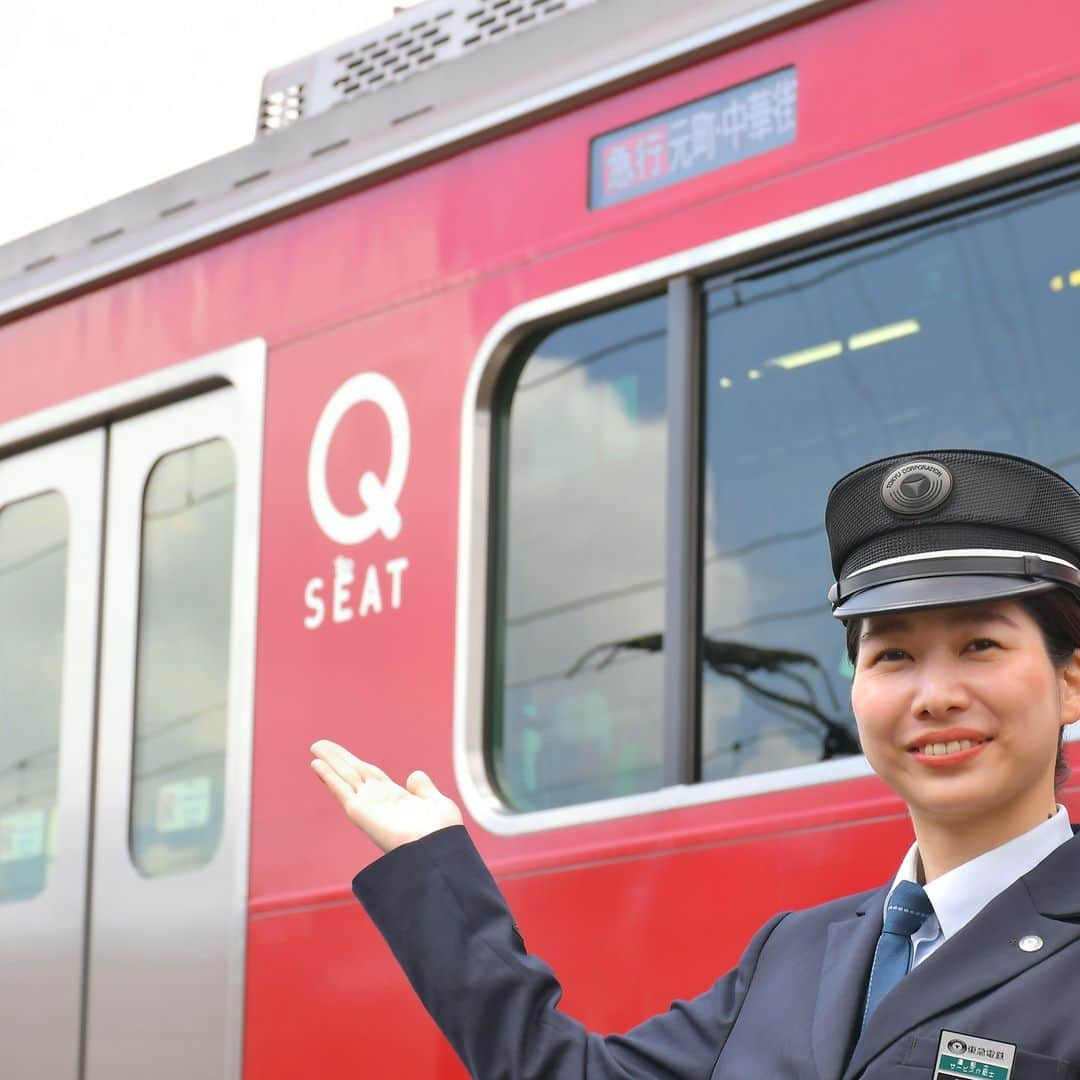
{"points": [[379, 498]]}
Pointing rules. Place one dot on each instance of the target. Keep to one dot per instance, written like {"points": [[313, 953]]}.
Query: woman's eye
{"points": [[887, 655], [982, 644]]}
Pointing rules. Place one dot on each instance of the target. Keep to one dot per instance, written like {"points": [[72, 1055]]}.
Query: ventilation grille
{"points": [[414, 40], [393, 56], [493, 17], [281, 108]]}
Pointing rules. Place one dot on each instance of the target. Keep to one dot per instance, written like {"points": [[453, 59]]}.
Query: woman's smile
{"points": [[945, 749], [959, 711]]}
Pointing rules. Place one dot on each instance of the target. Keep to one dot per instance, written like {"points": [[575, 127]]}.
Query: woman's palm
{"points": [[388, 813]]}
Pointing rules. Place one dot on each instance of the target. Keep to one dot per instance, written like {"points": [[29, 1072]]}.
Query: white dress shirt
{"points": [[964, 891]]}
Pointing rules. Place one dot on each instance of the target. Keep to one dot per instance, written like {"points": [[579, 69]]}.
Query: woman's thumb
{"points": [[418, 783]]}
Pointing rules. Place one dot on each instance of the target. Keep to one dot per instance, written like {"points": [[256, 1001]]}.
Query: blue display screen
{"points": [[706, 134]]}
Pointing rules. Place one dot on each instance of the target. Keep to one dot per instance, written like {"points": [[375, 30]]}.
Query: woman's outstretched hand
{"points": [[390, 814]]}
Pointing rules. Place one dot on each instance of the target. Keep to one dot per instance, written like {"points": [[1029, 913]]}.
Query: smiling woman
{"points": [[1057, 614], [961, 711], [957, 576]]}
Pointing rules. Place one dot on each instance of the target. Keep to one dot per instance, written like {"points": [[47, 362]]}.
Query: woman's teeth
{"points": [[938, 748]]}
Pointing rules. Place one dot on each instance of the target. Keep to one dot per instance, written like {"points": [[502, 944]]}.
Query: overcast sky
{"points": [[103, 96]]}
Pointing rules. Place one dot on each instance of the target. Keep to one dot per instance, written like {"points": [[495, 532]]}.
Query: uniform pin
{"points": [[1030, 943]]}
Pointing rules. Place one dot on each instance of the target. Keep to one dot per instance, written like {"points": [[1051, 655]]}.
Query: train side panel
{"points": [[588, 898], [356, 637]]}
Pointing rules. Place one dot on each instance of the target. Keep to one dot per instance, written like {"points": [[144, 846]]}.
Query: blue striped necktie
{"points": [[908, 908]]}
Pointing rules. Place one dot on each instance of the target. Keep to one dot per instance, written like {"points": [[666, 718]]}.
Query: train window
{"points": [[178, 763], [959, 332], [33, 584], [576, 684]]}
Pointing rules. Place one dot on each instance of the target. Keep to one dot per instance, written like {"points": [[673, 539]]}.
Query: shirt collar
{"points": [[964, 891]]}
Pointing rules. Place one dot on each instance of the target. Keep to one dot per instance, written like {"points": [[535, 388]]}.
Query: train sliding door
{"points": [[128, 588], [50, 558], [169, 873]]}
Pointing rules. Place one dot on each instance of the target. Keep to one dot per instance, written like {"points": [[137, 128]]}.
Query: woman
{"points": [[957, 578]]}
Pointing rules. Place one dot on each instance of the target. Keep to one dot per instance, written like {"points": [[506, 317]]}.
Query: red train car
{"points": [[480, 415]]}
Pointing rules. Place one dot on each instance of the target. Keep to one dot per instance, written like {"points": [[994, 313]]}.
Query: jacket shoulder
{"points": [[842, 907]]}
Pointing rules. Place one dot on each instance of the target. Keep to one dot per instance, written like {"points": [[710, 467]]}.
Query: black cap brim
{"points": [[933, 592]]}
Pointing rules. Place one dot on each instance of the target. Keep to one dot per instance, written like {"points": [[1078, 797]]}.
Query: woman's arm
{"points": [[447, 923], [444, 918]]}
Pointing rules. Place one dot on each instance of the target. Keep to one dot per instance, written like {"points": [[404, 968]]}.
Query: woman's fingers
{"points": [[341, 789], [336, 757], [346, 765]]}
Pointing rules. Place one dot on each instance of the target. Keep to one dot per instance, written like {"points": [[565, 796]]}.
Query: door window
{"points": [[33, 580], [182, 659]]}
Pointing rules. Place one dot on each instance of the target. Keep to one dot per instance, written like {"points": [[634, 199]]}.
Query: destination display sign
{"points": [[693, 139]]}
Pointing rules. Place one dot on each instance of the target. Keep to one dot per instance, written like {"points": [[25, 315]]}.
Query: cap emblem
{"points": [[916, 487]]}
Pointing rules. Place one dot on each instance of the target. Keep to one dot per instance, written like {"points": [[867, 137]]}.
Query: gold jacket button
{"points": [[1030, 943]]}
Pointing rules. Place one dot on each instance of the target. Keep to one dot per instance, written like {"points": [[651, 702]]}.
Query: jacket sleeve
{"points": [[445, 920]]}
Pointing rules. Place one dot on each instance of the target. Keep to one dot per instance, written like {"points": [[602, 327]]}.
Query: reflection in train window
{"points": [[33, 585], [959, 333], [181, 716], [576, 691]]}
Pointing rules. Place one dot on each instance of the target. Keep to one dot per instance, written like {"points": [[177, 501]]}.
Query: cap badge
{"points": [[916, 487]]}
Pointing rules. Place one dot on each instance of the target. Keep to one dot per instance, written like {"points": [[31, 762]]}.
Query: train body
{"points": [[483, 423]]}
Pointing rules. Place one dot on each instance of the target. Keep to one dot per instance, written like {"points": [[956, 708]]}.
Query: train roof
{"points": [[336, 136]]}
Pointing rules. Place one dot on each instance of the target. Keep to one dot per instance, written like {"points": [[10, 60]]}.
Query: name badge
{"points": [[970, 1055]]}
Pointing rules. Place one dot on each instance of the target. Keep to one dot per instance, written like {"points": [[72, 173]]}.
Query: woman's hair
{"points": [[1057, 613]]}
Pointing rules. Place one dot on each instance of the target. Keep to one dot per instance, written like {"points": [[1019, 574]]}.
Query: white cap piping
{"points": [[959, 553]]}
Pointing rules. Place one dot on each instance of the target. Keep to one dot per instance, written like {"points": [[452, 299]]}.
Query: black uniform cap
{"points": [[941, 527]]}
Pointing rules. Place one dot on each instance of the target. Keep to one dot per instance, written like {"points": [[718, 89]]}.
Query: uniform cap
{"points": [[941, 527]]}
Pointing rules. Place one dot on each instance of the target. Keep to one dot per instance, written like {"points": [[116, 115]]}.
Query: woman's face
{"points": [[959, 710]]}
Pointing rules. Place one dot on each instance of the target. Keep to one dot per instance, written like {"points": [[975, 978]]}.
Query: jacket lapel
{"points": [[984, 954], [849, 951]]}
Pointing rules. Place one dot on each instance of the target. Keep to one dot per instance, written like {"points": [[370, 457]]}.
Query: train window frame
{"points": [[854, 220]]}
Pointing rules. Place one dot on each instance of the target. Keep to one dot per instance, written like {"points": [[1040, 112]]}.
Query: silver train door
{"points": [[171, 821], [50, 561]]}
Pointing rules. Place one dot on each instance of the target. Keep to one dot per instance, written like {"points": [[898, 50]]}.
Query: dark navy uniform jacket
{"points": [[789, 1010]]}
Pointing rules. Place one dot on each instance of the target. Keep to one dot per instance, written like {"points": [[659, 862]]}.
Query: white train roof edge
{"points": [[359, 136]]}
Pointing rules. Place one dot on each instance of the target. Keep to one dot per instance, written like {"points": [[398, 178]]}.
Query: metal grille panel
{"points": [[416, 39]]}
